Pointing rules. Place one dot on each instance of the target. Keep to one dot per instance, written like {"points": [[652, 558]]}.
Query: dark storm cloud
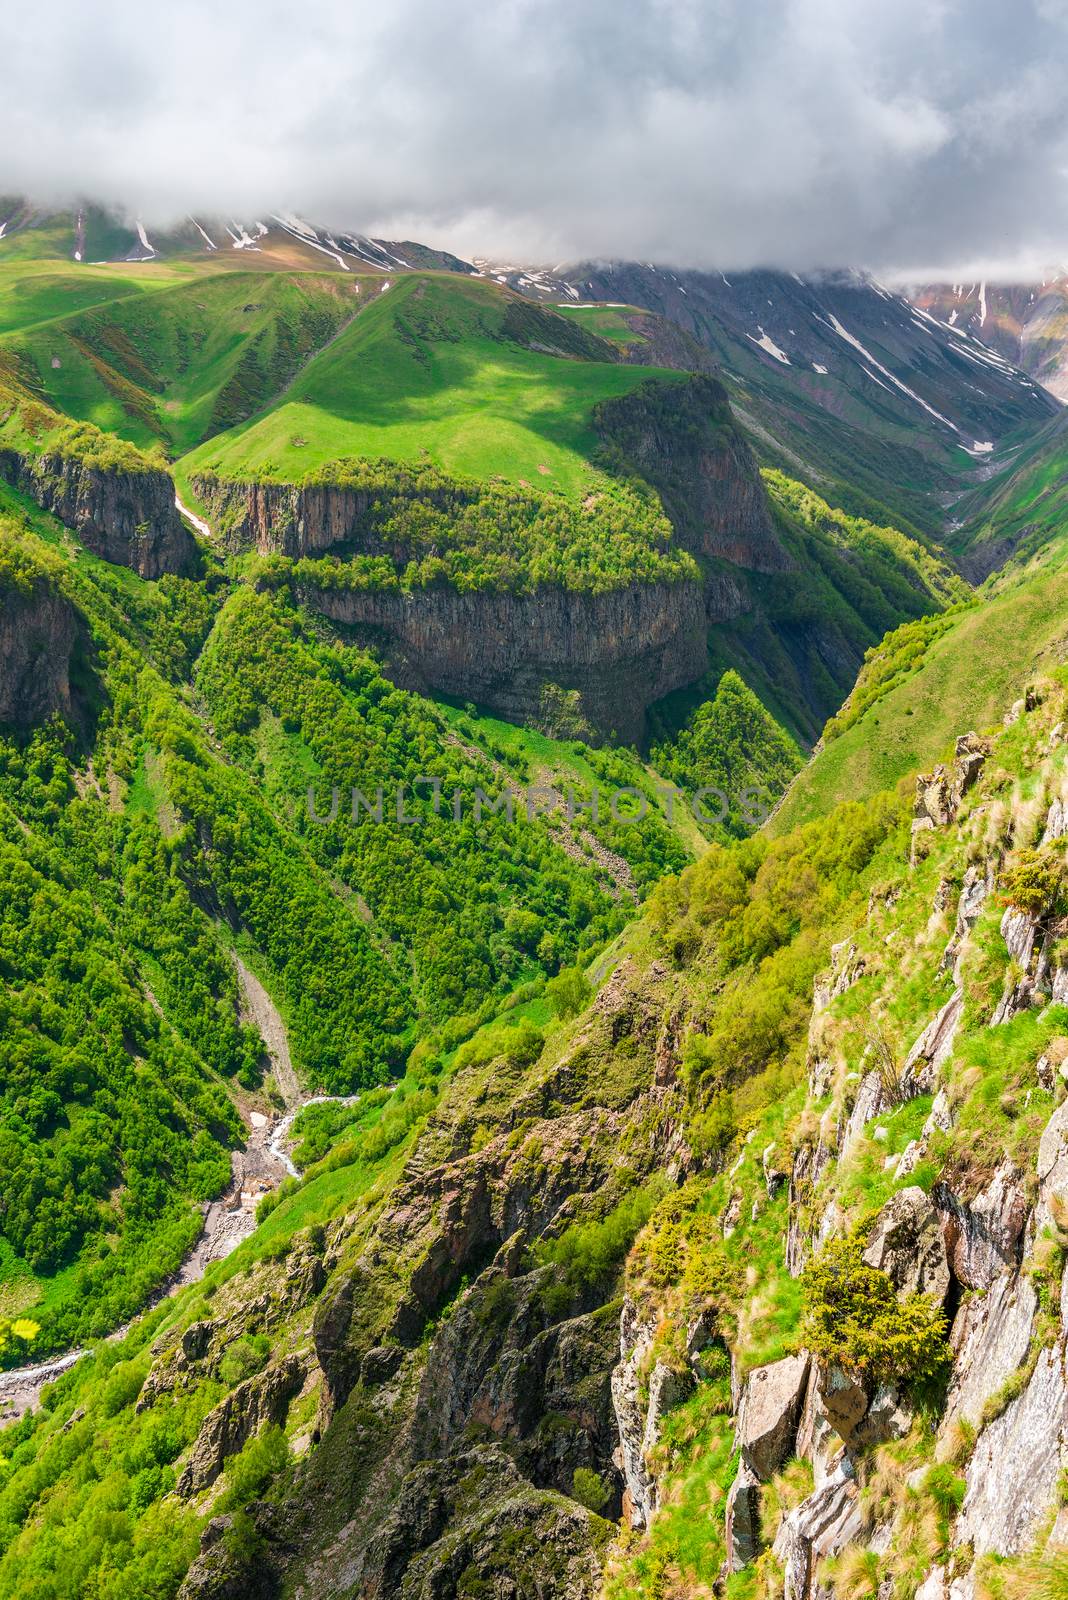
{"points": [[890, 133]]}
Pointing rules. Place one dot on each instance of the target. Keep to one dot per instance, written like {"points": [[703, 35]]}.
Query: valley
{"points": [[423, 1194]]}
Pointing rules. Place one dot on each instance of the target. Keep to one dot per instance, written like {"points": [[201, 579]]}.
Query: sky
{"points": [[908, 137]]}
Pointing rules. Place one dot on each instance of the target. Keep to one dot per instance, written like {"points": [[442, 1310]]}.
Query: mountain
{"points": [[874, 403], [1025, 322], [246, 375], [94, 234], [768, 1226], [451, 1144]]}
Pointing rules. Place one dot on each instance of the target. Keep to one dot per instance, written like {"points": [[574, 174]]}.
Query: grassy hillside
{"points": [[446, 370], [183, 361], [924, 685]]}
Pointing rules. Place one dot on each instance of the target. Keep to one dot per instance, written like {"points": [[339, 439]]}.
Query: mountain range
{"points": [[534, 905]]}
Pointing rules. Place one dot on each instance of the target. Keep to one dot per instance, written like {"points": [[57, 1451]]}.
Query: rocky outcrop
{"points": [[637, 1425], [990, 1339], [820, 1526], [38, 630], [1012, 1476], [619, 650], [246, 1409], [682, 439], [743, 1519], [769, 1413], [939, 793], [126, 516], [906, 1243], [983, 1235]]}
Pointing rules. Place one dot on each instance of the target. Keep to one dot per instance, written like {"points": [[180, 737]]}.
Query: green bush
{"points": [[590, 1489], [853, 1318]]}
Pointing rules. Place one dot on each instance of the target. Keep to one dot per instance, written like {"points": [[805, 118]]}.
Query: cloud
{"points": [[728, 133]]}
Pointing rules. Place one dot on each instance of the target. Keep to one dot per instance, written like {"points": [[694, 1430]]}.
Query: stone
{"points": [[847, 966], [906, 1243], [379, 1364], [843, 1398], [1052, 1167], [259, 1400], [774, 1173], [990, 1338], [934, 798], [984, 1235], [974, 891], [1056, 822], [743, 1519], [820, 1526], [769, 1413], [887, 1418], [636, 1334], [931, 1049], [1012, 1475]]}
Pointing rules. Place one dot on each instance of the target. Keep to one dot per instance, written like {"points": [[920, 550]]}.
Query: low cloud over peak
{"points": [[793, 133]]}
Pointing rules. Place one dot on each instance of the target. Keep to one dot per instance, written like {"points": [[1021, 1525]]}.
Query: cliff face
{"points": [[620, 650], [462, 1386], [37, 635], [682, 439], [126, 517]]}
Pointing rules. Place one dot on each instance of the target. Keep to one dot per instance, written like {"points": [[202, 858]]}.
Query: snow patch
{"points": [[143, 236], [306, 235], [982, 302], [817, 368], [242, 239], [768, 344], [190, 516], [209, 242], [843, 333]]}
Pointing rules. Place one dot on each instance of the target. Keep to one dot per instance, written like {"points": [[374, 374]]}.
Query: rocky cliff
{"points": [[683, 440], [125, 516], [37, 637], [464, 1383], [942, 1160], [619, 651]]}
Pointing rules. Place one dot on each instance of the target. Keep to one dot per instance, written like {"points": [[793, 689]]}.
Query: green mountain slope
{"points": [[445, 370], [593, 1233], [925, 683], [159, 822]]}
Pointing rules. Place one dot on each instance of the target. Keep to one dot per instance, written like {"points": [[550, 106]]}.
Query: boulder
{"points": [[843, 1398], [769, 1414], [743, 1519], [984, 1235], [906, 1243]]}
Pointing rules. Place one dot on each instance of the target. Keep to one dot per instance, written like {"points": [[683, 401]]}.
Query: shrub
{"points": [[568, 992], [590, 1489], [854, 1319], [1035, 883]]}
